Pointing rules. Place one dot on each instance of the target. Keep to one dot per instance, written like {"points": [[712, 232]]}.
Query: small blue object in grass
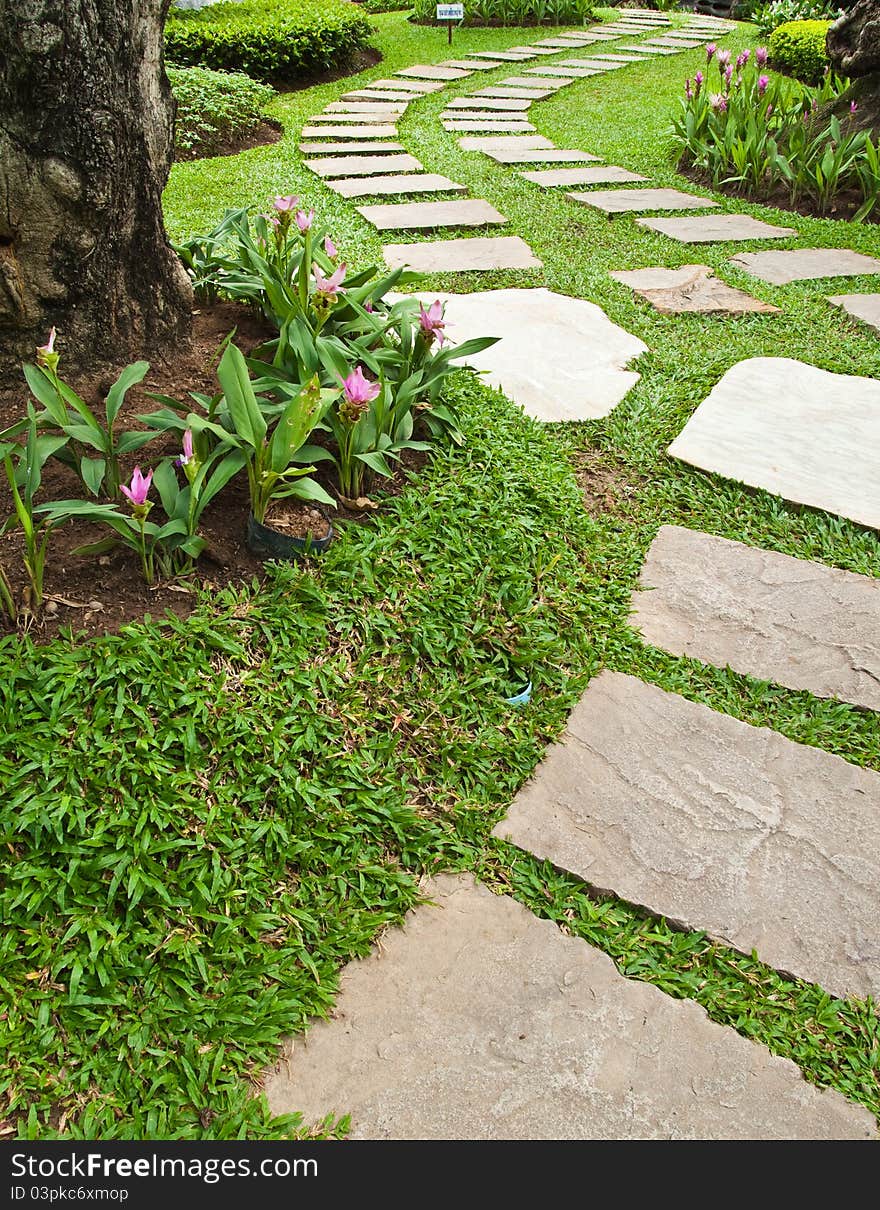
{"points": [[522, 698]]}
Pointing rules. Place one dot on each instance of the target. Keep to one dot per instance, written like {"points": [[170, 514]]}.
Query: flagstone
{"points": [[528, 82], [532, 52], [478, 1020], [519, 94], [678, 43], [621, 201], [763, 843], [366, 116], [351, 132], [615, 58], [570, 74], [416, 182], [808, 435], [364, 105], [467, 212], [606, 174], [591, 64], [556, 43], [802, 264], [715, 228], [364, 165], [512, 104], [554, 156], [379, 94], [419, 86], [427, 71], [457, 124], [692, 288], [505, 56], [768, 615], [865, 307], [559, 358], [350, 147], [505, 142], [462, 255], [471, 64]]}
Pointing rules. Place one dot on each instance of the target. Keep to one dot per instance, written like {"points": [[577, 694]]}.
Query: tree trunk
{"points": [[86, 127], [853, 45]]}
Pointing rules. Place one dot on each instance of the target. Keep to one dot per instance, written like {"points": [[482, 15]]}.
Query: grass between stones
{"points": [[206, 819]]}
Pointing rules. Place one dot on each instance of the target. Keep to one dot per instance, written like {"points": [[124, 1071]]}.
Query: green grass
{"points": [[206, 819]]}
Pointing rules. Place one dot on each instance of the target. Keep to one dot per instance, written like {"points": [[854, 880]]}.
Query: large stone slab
{"points": [[505, 56], [477, 1020], [559, 358], [488, 125], [472, 64], [532, 83], [624, 201], [507, 104], [553, 156], [690, 289], [606, 175], [416, 182], [678, 43], [425, 216], [511, 142], [569, 74], [416, 86], [516, 94], [349, 111], [806, 434], [765, 844], [592, 65], [612, 57], [363, 165], [802, 264], [865, 307], [341, 131], [427, 71], [351, 147], [556, 43], [379, 94], [790, 621], [367, 116], [715, 228], [462, 255]]}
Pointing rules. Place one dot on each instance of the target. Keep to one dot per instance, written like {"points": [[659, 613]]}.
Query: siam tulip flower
{"points": [[742, 59], [304, 220], [710, 51], [329, 287], [286, 205], [188, 459], [763, 81], [687, 89], [359, 392], [769, 111], [368, 306], [853, 108], [698, 82], [330, 248], [723, 59], [728, 74], [718, 102], [46, 355], [432, 322], [761, 56], [138, 490]]}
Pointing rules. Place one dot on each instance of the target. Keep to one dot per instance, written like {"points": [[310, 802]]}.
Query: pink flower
{"points": [[329, 287], [304, 220], [46, 355], [286, 205], [769, 111], [853, 108], [139, 488], [728, 73], [432, 322], [187, 447], [723, 59], [761, 56], [698, 81], [763, 81], [358, 389], [718, 102], [368, 306], [742, 59], [710, 51], [687, 89], [330, 248]]}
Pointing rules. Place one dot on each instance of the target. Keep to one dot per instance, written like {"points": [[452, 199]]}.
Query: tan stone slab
{"points": [[606, 175], [472, 64], [417, 86], [772, 617], [520, 94], [691, 289], [511, 104], [380, 94], [350, 147], [569, 74], [367, 116], [478, 1020], [678, 43], [641, 49], [510, 142], [462, 255], [363, 165], [590, 64], [765, 844], [416, 182], [806, 434], [556, 43], [533, 52], [622, 201], [505, 56], [715, 228], [361, 106], [554, 156], [558, 358], [475, 127], [865, 307], [427, 71], [339, 132], [802, 264], [425, 216], [611, 57], [530, 82]]}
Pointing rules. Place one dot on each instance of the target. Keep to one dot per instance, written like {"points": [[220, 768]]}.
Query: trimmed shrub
{"points": [[214, 107], [798, 47], [284, 40], [513, 12], [770, 16]]}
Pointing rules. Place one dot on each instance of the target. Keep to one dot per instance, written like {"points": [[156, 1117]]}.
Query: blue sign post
{"points": [[450, 14]]}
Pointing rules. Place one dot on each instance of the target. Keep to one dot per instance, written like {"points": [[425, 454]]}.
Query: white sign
{"points": [[450, 12]]}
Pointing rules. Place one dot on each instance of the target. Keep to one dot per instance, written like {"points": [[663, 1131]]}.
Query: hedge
{"points": [[798, 47], [283, 40], [214, 107], [513, 12]]}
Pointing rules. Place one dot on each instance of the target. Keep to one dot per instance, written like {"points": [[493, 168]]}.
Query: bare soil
{"points": [[266, 132], [844, 205]]}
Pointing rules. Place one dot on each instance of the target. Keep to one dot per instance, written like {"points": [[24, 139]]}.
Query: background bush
{"points": [[385, 6], [214, 107], [285, 40], [514, 12], [798, 47], [768, 17]]}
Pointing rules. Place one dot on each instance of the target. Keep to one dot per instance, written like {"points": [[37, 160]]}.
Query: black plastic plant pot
{"points": [[268, 543]]}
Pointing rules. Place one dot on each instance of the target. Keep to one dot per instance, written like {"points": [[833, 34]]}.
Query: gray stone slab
{"points": [[505, 56], [555, 43], [623, 201], [775, 618], [611, 57], [518, 94], [380, 94], [569, 74], [416, 182], [802, 264], [474, 127], [428, 71], [765, 844], [558, 358], [462, 255], [367, 117], [350, 147], [678, 43], [553, 156], [689, 290], [425, 216], [480, 102], [606, 175], [550, 85], [478, 1020], [806, 434], [339, 132], [472, 64], [641, 49], [592, 64], [715, 228], [362, 105], [363, 165], [865, 307], [510, 142], [416, 86]]}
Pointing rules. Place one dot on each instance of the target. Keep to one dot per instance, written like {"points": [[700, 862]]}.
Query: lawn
{"points": [[207, 818]]}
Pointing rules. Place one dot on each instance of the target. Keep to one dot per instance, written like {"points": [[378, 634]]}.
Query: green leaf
{"points": [[233, 376], [116, 395], [91, 472]]}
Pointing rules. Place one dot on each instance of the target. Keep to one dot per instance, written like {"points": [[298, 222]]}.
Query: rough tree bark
{"points": [[853, 45], [86, 125]]}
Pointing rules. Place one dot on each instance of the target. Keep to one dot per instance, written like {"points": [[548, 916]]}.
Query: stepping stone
{"points": [[418, 86], [505, 56], [520, 117], [772, 617], [556, 43], [621, 201], [462, 255], [691, 289], [350, 148], [505, 142], [569, 74], [607, 174], [554, 156], [613, 58], [641, 48], [364, 165], [478, 1020], [513, 104], [865, 307], [368, 117], [417, 182], [593, 65], [429, 72], [805, 434], [379, 94], [649, 49], [802, 264], [734, 830], [559, 358], [471, 64], [715, 228], [516, 94], [349, 132], [362, 105], [678, 43], [475, 127], [423, 216], [530, 83]]}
